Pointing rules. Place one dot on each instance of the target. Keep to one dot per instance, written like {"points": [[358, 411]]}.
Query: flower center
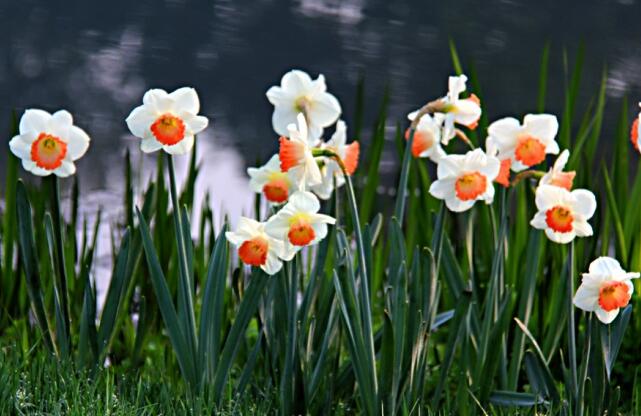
{"points": [[422, 141], [48, 151], [302, 105], [470, 186], [254, 251], [300, 232], [613, 295], [168, 129], [559, 219], [529, 150], [277, 189]]}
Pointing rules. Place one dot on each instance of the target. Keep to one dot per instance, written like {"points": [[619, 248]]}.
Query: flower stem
{"points": [[185, 290], [571, 326]]}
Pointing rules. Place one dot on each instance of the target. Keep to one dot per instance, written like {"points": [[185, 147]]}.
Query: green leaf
{"points": [[513, 398], [612, 337]]}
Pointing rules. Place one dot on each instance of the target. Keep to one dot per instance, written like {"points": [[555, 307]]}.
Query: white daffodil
{"points": [[269, 180], [330, 170], [427, 137], [556, 176], [634, 133], [605, 289], [298, 223], [463, 111], [256, 247], [465, 179], [49, 143], [563, 214], [527, 144], [296, 155], [167, 121], [298, 93]]}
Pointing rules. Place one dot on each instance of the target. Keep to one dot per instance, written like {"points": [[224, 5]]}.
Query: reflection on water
{"points": [[97, 58]]}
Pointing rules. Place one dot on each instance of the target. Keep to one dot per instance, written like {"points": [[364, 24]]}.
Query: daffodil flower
{"points": [[427, 136], [463, 111], [298, 93], [556, 176], [465, 179], [605, 289], [256, 247], [269, 180], [296, 155], [330, 170], [49, 143], [562, 214], [503, 178], [167, 121], [527, 144], [298, 223]]}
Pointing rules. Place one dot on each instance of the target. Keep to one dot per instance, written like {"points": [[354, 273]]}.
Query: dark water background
{"points": [[96, 59]]}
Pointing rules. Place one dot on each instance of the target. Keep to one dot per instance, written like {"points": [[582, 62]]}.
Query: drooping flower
{"points": [[563, 214], [465, 179], [256, 247], [269, 180], [330, 170], [427, 137], [605, 289], [298, 223], [49, 143], [556, 176], [167, 121], [296, 155], [527, 144], [634, 133], [463, 111], [298, 93]]}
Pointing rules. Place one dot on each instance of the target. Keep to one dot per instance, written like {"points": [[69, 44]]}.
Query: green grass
{"points": [[405, 308]]}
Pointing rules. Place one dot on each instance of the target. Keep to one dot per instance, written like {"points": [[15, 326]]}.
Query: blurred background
{"points": [[96, 59]]}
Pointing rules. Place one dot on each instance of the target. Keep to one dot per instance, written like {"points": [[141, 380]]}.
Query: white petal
{"points": [[320, 231], [30, 166], [562, 160], [606, 266], [140, 120], [195, 124], [78, 143], [20, 148], [282, 117], [278, 226], [450, 166], [467, 112], [324, 110], [561, 238], [548, 196], [272, 265], [456, 85], [542, 126], [60, 124], [34, 120], [158, 101], [504, 132], [305, 202], [539, 221], [150, 145], [456, 205], [606, 317], [443, 188], [585, 202], [182, 147], [582, 228], [66, 169], [586, 298], [279, 97], [186, 99], [297, 83]]}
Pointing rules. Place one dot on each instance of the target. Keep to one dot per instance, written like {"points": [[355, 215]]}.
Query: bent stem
{"points": [[56, 215]]}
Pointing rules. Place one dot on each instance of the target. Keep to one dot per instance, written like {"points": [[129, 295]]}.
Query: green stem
{"points": [[584, 366], [571, 326], [399, 210], [185, 281], [58, 225]]}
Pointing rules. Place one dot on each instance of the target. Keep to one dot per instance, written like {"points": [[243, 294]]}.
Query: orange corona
{"points": [[48, 151], [290, 153], [470, 186], [168, 129], [301, 233], [503, 178], [613, 295], [254, 251], [634, 134], [351, 157], [529, 150], [277, 189], [559, 219], [421, 142]]}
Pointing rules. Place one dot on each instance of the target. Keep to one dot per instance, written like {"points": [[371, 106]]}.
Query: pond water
{"points": [[96, 59]]}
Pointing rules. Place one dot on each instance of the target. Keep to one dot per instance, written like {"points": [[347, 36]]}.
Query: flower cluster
{"points": [[305, 169]]}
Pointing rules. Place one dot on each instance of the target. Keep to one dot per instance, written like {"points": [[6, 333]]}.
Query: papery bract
{"points": [[49, 143]]}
